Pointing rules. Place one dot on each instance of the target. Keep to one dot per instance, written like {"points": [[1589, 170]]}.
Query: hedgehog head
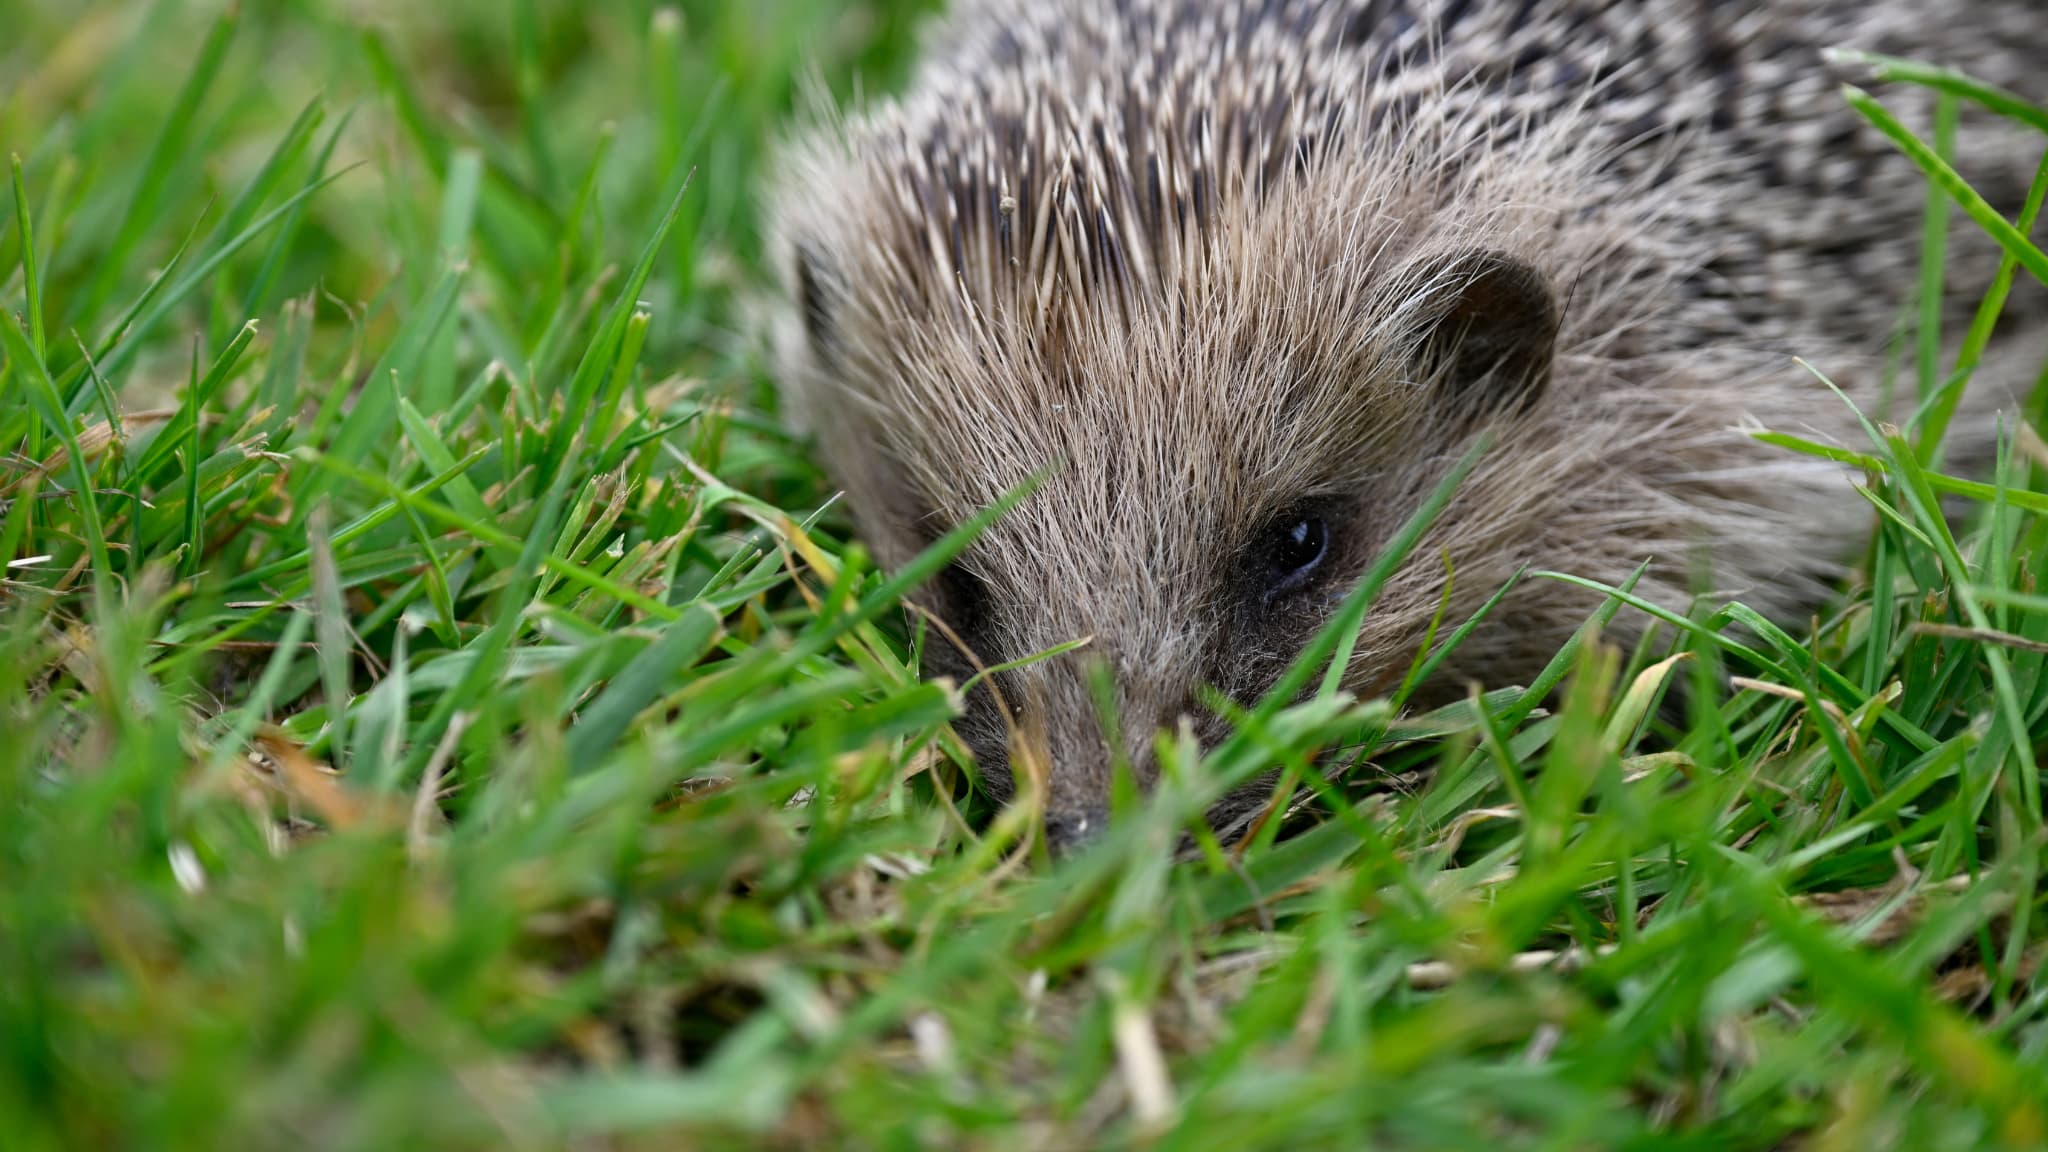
{"points": [[1219, 464], [1239, 368]]}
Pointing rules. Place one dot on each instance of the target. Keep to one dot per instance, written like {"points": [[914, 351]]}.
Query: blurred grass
{"points": [[458, 719]]}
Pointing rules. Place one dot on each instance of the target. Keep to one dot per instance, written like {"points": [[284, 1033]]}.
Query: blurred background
{"points": [[140, 124]]}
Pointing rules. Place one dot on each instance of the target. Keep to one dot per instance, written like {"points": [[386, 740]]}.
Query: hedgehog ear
{"points": [[812, 298], [1493, 340]]}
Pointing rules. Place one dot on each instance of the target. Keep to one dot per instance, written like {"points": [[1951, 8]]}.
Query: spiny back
{"points": [[1249, 273], [1078, 156]]}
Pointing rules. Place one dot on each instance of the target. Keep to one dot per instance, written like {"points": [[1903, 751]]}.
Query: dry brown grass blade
{"points": [[319, 786], [1981, 635]]}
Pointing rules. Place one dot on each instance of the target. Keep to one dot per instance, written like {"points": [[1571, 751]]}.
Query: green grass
{"points": [[405, 360]]}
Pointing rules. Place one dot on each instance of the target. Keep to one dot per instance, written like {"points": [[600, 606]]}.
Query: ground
{"points": [[458, 717]]}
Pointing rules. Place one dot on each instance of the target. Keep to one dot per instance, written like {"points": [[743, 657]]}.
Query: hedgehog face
{"points": [[1245, 293], [1249, 275], [1217, 484]]}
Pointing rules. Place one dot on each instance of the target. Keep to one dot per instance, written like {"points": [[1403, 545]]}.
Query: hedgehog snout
{"points": [[1069, 832], [1064, 731]]}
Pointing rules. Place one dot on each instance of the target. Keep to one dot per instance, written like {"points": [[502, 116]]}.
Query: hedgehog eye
{"points": [[965, 598], [960, 602], [1293, 553]]}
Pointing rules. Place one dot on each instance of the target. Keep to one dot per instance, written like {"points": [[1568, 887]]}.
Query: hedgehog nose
{"points": [[1070, 831]]}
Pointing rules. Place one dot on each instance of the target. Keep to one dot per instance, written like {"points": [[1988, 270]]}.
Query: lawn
{"points": [[459, 717]]}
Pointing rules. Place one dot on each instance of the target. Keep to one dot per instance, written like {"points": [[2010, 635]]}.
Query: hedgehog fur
{"points": [[1234, 267]]}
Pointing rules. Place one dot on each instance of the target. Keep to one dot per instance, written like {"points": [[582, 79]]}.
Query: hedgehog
{"points": [[1244, 279]]}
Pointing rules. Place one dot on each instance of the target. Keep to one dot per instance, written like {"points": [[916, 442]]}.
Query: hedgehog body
{"points": [[1250, 275]]}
